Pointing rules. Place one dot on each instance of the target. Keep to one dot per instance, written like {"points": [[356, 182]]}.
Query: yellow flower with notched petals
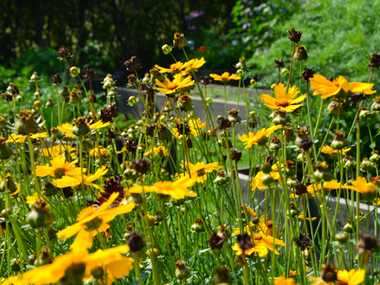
{"points": [[194, 64], [91, 221], [225, 77], [329, 150], [160, 149], [177, 189], [283, 100], [32, 199], [327, 88], [103, 151], [117, 266], [174, 68], [262, 243], [59, 168], [67, 181], [353, 277], [285, 281], [172, 87], [260, 138], [200, 170]]}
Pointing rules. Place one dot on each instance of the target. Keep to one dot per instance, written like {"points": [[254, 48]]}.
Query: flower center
{"points": [[59, 173], [201, 172], [172, 86], [282, 103]]}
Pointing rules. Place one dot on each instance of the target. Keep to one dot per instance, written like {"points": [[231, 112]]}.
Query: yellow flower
{"points": [[354, 277], [59, 168], [54, 272], [177, 189], [103, 151], [251, 212], [302, 217], [194, 64], [362, 186], [376, 202], [260, 138], [117, 265], [225, 77], [174, 68], [328, 150], [261, 245], [123, 149], [91, 221], [68, 128], [32, 199], [195, 126], [67, 181], [162, 149], [257, 183], [327, 88], [43, 135], [285, 281], [199, 171], [283, 101], [316, 187], [58, 150], [13, 138], [171, 87]]}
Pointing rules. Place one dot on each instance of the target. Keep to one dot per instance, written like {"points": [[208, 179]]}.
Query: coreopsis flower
{"points": [[315, 188], [339, 86], [177, 189], [178, 84], [283, 100], [32, 199], [367, 189], [344, 277], [257, 180], [285, 281], [225, 77], [160, 149], [68, 181], [260, 138], [91, 221], [194, 125], [59, 168], [333, 152], [376, 201], [200, 170], [194, 64], [58, 150], [174, 68], [103, 151], [76, 265], [261, 246]]}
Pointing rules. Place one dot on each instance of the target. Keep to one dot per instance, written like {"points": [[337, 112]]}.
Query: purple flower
{"points": [[191, 27], [194, 14]]}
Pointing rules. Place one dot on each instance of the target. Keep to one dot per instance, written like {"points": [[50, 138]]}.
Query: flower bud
{"points": [[132, 101], [280, 117], [179, 41], [184, 103], [348, 228], [285, 72], [166, 49], [222, 276], [50, 103], [242, 65], [5, 151], [300, 53], [240, 72], [26, 124], [74, 71], [198, 226], [322, 172], [49, 189], [4, 124], [81, 128], [339, 141], [376, 104], [40, 215], [375, 157], [8, 184], [364, 113], [253, 83], [182, 271], [341, 237], [34, 77], [208, 101], [15, 266], [366, 165], [97, 272], [275, 144], [43, 258]]}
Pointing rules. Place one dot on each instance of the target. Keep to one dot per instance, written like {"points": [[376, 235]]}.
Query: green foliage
{"points": [[339, 36]]}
